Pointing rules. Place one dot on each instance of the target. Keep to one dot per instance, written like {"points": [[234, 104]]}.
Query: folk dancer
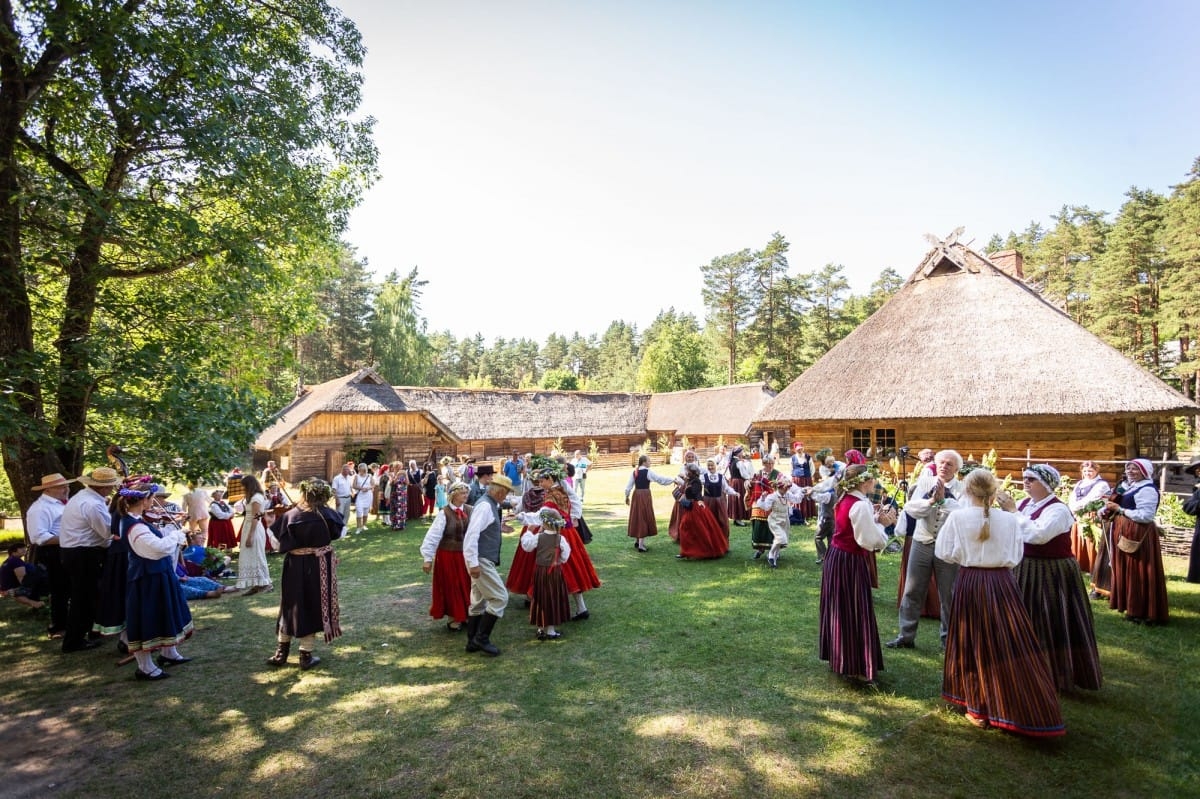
{"points": [[776, 505], [849, 636], [935, 496], [642, 524], [761, 485], [481, 549], [1051, 584], [994, 669]]}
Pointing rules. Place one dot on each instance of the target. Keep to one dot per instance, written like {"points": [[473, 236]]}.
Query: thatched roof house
{"points": [[967, 356], [495, 422], [706, 414], [358, 415], [361, 416]]}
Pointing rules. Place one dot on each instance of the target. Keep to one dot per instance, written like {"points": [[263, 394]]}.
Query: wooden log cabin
{"points": [[967, 356], [358, 415]]}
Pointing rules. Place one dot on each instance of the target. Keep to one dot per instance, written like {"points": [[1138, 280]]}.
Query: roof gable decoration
{"points": [[946, 257]]}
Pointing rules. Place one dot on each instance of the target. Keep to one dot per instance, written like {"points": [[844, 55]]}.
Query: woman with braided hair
{"points": [[994, 668], [849, 634], [308, 599]]}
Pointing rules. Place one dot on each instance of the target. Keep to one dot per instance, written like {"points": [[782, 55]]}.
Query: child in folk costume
{"points": [[761, 485], [543, 537], [777, 506]]}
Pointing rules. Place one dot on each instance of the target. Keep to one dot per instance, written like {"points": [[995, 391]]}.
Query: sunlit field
{"points": [[690, 679]]}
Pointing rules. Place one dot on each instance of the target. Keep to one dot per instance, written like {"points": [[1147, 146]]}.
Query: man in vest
{"points": [[481, 550]]}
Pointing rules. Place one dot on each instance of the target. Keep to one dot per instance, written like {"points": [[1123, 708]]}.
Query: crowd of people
{"points": [[1006, 578]]}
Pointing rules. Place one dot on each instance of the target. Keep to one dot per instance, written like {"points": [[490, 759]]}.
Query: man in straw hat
{"points": [[83, 538], [481, 550], [42, 523]]}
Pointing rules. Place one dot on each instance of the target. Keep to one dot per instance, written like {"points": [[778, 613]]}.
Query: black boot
{"points": [[281, 654], [308, 660], [472, 629], [482, 641]]}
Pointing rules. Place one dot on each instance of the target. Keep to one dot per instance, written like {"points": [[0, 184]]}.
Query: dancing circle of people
{"points": [[1004, 578]]}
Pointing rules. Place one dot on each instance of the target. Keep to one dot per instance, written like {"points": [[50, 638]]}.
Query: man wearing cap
{"points": [[82, 538], [481, 550], [42, 523], [1192, 506]]}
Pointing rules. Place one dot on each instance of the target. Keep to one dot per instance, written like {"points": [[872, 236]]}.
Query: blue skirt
{"points": [[156, 614]]}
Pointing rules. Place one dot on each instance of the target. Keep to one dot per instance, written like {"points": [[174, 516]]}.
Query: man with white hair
{"points": [[937, 493]]}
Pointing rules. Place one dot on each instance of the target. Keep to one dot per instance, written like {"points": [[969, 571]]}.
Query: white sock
{"points": [[579, 603]]}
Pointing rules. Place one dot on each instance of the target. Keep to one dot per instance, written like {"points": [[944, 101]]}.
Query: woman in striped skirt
{"points": [[1052, 585], [994, 667], [849, 635]]}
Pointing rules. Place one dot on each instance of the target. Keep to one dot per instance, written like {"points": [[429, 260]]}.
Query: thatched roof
{"points": [[962, 338], [708, 411], [363, 391], [488, 414]]}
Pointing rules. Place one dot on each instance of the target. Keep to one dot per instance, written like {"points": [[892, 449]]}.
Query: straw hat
{"points": [[104, 476], [55, 480], [503, 481]]}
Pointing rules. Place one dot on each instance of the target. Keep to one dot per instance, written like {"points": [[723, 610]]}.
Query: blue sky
{"points": [[552, 166]]}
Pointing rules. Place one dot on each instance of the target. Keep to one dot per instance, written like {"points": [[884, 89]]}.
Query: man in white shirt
{"points": [[342, 485], [83, 538], [42, 523], [481, 551], [937, 493]]}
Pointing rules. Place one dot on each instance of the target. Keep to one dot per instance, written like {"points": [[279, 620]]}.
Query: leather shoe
{"points": [[900, 643], [581, 616], [163, 661], [141, 675], [81, 646]]}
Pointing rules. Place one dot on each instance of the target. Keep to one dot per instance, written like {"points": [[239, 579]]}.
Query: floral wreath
{"points": [[850, 482], [541, 466], [551, 519]]}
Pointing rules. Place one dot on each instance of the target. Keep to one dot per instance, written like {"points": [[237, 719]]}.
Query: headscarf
{"points": [[854, 457], [1045, 474], [1145, 465]]}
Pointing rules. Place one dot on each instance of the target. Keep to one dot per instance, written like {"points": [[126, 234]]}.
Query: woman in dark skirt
{"points": [[849, 635], [578, 572], [642, 524], [416, 494], [1139, 584], [1052, 585], [157, 617], [308, 599], [1192, 506], [442, 551], [549, 606], [994, 667], [110, 609]]}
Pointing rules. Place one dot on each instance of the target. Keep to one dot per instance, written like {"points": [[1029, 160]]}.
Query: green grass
{"points": [[691, 679]]}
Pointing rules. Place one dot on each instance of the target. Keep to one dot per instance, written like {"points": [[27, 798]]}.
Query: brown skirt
{"points": [[1082, 548], [642, 523], [1139, 585]]}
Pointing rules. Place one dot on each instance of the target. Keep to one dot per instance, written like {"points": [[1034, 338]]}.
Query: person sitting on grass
{"points": [[26, 582]]}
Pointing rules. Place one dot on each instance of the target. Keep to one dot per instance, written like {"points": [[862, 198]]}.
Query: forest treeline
{"points": [[1131, 277]]}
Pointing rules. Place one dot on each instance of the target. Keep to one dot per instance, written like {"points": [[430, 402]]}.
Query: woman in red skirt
{"points": [[520, 574], [578, 571], [220, 522], [700, 535], [994, 668], [442, 550]]}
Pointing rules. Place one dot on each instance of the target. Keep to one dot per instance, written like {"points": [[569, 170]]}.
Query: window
{"points": [[1154, 439], [879, 442]]}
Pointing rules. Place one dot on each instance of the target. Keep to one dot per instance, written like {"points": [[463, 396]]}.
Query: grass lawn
{"points": [[691, 679]]}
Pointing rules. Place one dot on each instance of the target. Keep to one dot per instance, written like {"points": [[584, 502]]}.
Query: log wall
{"points": [[1060, 440]]}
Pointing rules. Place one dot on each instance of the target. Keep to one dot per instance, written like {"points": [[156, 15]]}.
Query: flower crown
{"points": [[551, 519], [850, 482]]}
